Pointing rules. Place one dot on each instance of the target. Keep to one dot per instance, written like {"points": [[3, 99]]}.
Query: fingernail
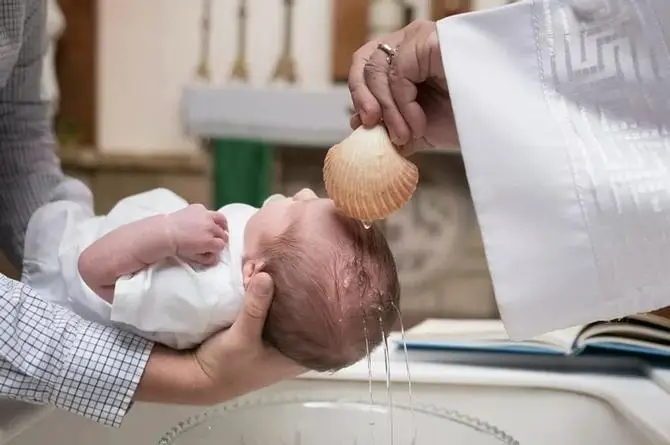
{"points": [[253, 285], [364, 113], [260, 286], [393, 137], [398, 141]]}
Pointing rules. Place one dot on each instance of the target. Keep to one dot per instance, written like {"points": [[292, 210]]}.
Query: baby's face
{"points": [[278, 214], [317, 218]]}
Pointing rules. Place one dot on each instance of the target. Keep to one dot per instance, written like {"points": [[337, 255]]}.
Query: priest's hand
{"points": [[406, 91]]}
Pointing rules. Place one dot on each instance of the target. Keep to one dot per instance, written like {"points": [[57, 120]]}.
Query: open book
{"points": [[645, 335]]}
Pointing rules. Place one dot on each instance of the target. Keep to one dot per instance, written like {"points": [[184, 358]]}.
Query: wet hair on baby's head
{"points": [[331, 305]]}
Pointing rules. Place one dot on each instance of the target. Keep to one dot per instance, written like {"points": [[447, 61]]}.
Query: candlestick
{"points": [[240, 71], [203, 71], [285, 68]]}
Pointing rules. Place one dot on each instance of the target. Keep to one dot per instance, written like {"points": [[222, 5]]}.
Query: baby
{"points": [[176, 273]]}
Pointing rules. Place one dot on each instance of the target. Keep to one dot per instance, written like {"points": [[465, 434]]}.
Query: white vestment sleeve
{"points": [[563, 113]]}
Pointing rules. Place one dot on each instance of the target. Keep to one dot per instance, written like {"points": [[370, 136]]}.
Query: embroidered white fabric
{"points": [[567, 151]]}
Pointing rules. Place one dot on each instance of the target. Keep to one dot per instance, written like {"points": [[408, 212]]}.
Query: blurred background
{"points": [[230, 100]]}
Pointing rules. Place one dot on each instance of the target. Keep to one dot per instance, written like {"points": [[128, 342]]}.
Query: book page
{"points": [[485, 334], [644, 327], [625, 333], [617, 343], [661, 322]]}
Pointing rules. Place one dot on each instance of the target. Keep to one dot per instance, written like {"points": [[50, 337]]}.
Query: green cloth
{"points": [[242, 171]]}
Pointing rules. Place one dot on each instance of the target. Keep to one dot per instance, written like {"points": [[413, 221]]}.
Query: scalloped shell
{"points": [[366, 177]]}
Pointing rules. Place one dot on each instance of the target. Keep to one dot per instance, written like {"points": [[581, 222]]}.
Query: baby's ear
{"points": [[250, 268]]}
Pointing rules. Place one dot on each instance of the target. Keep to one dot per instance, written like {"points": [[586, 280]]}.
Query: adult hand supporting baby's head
{"points": [[257, 302], [237, 361]]}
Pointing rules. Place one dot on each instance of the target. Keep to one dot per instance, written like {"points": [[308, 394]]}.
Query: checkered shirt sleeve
{"points": [[47, 354], [50, 355]]}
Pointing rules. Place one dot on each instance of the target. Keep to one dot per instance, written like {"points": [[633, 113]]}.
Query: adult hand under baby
{"points": [[237, 361], [408, 90], [198, 234], [230, 363]]}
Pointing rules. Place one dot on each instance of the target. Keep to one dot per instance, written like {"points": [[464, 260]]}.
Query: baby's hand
{"points": [[199, 234]]}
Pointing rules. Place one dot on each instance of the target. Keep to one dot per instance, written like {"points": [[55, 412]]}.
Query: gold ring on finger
{"points": [[389, 51]]}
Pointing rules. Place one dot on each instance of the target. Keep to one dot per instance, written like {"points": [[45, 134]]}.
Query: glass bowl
{"points": [[318, 420]]}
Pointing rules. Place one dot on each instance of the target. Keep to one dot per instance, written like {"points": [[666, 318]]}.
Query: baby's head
{"points": [[336, 283]]}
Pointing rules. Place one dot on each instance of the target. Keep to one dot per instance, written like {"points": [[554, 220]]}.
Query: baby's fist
{"points": [[199, 234]]}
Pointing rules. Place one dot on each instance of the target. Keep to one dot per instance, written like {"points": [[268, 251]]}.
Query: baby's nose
{"points": [[275, 197], [305, 194]]}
